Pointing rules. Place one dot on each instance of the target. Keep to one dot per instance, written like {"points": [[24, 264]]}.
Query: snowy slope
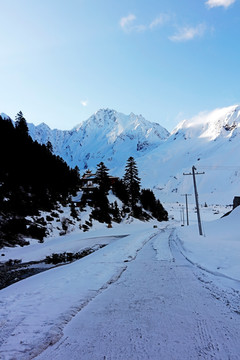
{"points": [[224, 123], [210, 142], [106, 136], [219, 250], [35, 310], [137, 298]]}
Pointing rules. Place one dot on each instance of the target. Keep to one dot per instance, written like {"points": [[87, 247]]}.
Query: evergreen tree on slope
{"points": [[21, 124], [132, 181], [102, 178], [100, 200]]}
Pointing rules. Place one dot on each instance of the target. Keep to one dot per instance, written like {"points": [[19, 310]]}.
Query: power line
{"points": [[219, 167]]}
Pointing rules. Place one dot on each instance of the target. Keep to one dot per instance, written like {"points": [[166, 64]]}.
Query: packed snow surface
{"points": [[158, 293], [219, 250]]}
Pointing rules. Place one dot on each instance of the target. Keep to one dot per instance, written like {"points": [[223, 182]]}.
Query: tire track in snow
{"points": [[158, 310], [229, 296], [211, 340], [50, 330]]}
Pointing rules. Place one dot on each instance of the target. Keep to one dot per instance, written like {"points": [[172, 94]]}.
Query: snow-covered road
{"points": [[158, 308]]}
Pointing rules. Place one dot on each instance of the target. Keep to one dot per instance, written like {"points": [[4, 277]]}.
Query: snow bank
{"points": [[219, 250], [35, 310], [72, 242]]}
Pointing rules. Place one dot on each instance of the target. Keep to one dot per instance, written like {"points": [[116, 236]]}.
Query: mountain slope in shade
{"points": [[106, 136]]}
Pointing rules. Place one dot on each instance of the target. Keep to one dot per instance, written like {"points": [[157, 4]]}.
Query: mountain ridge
{"points": [[208, 140], [108, 131]]}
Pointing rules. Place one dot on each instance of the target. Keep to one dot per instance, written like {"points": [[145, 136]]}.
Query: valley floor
{"points": [[137, 298], [157, 309]]}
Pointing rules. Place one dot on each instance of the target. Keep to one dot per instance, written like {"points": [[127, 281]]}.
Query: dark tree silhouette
{"points": [[31, 178], [132, 181], [101, 207], [49, 146], [102, 178], [151, 204], [119, 189], [21, 124]]}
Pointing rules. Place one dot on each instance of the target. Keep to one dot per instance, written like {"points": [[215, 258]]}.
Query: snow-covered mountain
{"points": [[106, 136], [210, 141], [222, 123]]}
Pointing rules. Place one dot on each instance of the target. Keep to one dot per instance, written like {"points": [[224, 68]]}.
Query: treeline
{"points": [[137, 202], [31, 178]]}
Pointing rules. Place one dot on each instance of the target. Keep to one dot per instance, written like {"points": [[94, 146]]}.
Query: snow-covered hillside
{"points": [[209, 141], [156, 293], [106, 136]]}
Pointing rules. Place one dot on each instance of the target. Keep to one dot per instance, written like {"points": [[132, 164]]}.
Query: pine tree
{"points": [[151, 204], [101, 207], [116, 212], [132, 181], [49, 146], [119, 189], [28, 188], [148, 199], [159, 212], [77, 171], [100, 200], [102, 178], [21, 124]]}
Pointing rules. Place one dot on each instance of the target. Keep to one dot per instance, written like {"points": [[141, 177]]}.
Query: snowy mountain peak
{"points": [[107, 136], [210, 141], [224, 122]]}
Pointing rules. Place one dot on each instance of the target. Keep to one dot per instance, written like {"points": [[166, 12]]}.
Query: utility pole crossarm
{"points": [[199, 173], [196, 173]]}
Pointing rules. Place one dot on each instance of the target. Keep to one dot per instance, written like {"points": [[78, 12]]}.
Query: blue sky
{"points": [[61, 61]]}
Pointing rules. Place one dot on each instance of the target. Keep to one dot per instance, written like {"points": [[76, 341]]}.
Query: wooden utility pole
{"points": [[183, 219], [186, 195], [196, 196], [181, 216]]}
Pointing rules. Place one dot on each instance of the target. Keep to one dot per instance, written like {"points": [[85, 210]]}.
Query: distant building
{"points": [[236, 201], [89, 181], [113, 179]]}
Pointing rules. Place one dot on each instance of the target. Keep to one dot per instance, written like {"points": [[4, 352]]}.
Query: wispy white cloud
{"points": [[215, 3], [128, 25], [188, 33], [84, 102], [159, 21], [126, 22]]}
